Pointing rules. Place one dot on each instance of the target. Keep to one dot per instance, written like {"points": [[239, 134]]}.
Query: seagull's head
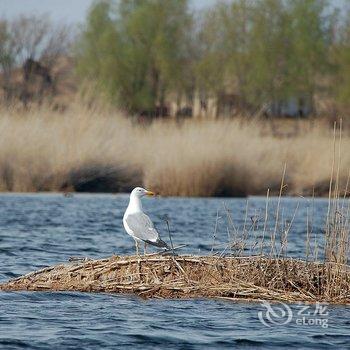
{"points": [[140, 192]]}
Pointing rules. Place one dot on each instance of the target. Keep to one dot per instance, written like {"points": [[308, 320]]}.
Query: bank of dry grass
{"points": [[99, 150], [237, 278]]}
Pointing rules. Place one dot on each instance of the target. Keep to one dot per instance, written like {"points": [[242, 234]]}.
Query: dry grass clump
{"points": [[242, 278], [231, 157], [42, 150], [95, 149]]}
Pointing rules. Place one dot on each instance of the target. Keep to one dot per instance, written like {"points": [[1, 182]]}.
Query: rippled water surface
{"points": [[41, 230]]}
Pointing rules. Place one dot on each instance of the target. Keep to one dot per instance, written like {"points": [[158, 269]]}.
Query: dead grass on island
{"points": [[250, 278]]}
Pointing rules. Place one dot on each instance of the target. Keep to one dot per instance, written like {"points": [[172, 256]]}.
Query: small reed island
{"points": [[251, 278], [229, 274]]}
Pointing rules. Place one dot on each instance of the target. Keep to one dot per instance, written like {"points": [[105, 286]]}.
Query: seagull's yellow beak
{"points": [[150, 193]]}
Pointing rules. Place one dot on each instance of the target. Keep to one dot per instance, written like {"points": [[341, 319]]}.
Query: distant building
{"points": [[292, 107], [230, 105]]}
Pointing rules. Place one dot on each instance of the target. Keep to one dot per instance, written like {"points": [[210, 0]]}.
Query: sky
{"points": [[74, 11]]}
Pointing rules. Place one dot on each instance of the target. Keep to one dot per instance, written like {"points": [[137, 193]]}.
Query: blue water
{"points": [[41, 230]]}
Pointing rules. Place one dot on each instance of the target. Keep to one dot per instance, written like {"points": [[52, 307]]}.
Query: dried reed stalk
{"points": [[247, 278]]}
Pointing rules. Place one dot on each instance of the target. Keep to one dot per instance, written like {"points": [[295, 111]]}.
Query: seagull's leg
{"points": [[138, 260], [145, 249], [137, 247]]}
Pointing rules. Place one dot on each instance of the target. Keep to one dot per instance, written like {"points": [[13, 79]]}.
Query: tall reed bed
{"points": [[96, 149]]}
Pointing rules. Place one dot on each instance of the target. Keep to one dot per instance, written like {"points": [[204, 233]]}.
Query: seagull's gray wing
{"points": [[143, 228]]}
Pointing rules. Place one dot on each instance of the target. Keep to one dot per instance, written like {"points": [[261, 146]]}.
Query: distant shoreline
{"points": [[98, 151]]}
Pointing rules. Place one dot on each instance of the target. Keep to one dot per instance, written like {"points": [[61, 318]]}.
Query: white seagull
{"points": [[138, 225]]}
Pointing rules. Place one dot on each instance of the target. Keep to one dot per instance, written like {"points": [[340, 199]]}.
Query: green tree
{"points": [[211, 60], [267, 50], [7, 60], [340, 55], [224, 39], [136, 50], [288, 49], [310, 30]]}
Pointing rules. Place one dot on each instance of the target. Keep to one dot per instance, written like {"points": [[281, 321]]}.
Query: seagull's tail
{"points": [[160, 244]]}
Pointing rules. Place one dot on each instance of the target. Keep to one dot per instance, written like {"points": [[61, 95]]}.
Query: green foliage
{"points": [[271, 49], [341, 61], [140, 52], [136, 50], [7, 55], [309, 30]]}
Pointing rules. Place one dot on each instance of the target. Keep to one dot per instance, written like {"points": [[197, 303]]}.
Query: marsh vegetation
{"points": [[96, 149]]}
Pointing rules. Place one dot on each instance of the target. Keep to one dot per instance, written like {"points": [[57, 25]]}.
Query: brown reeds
{"points": [[94, 149], [242, 278], [336, 245]]}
